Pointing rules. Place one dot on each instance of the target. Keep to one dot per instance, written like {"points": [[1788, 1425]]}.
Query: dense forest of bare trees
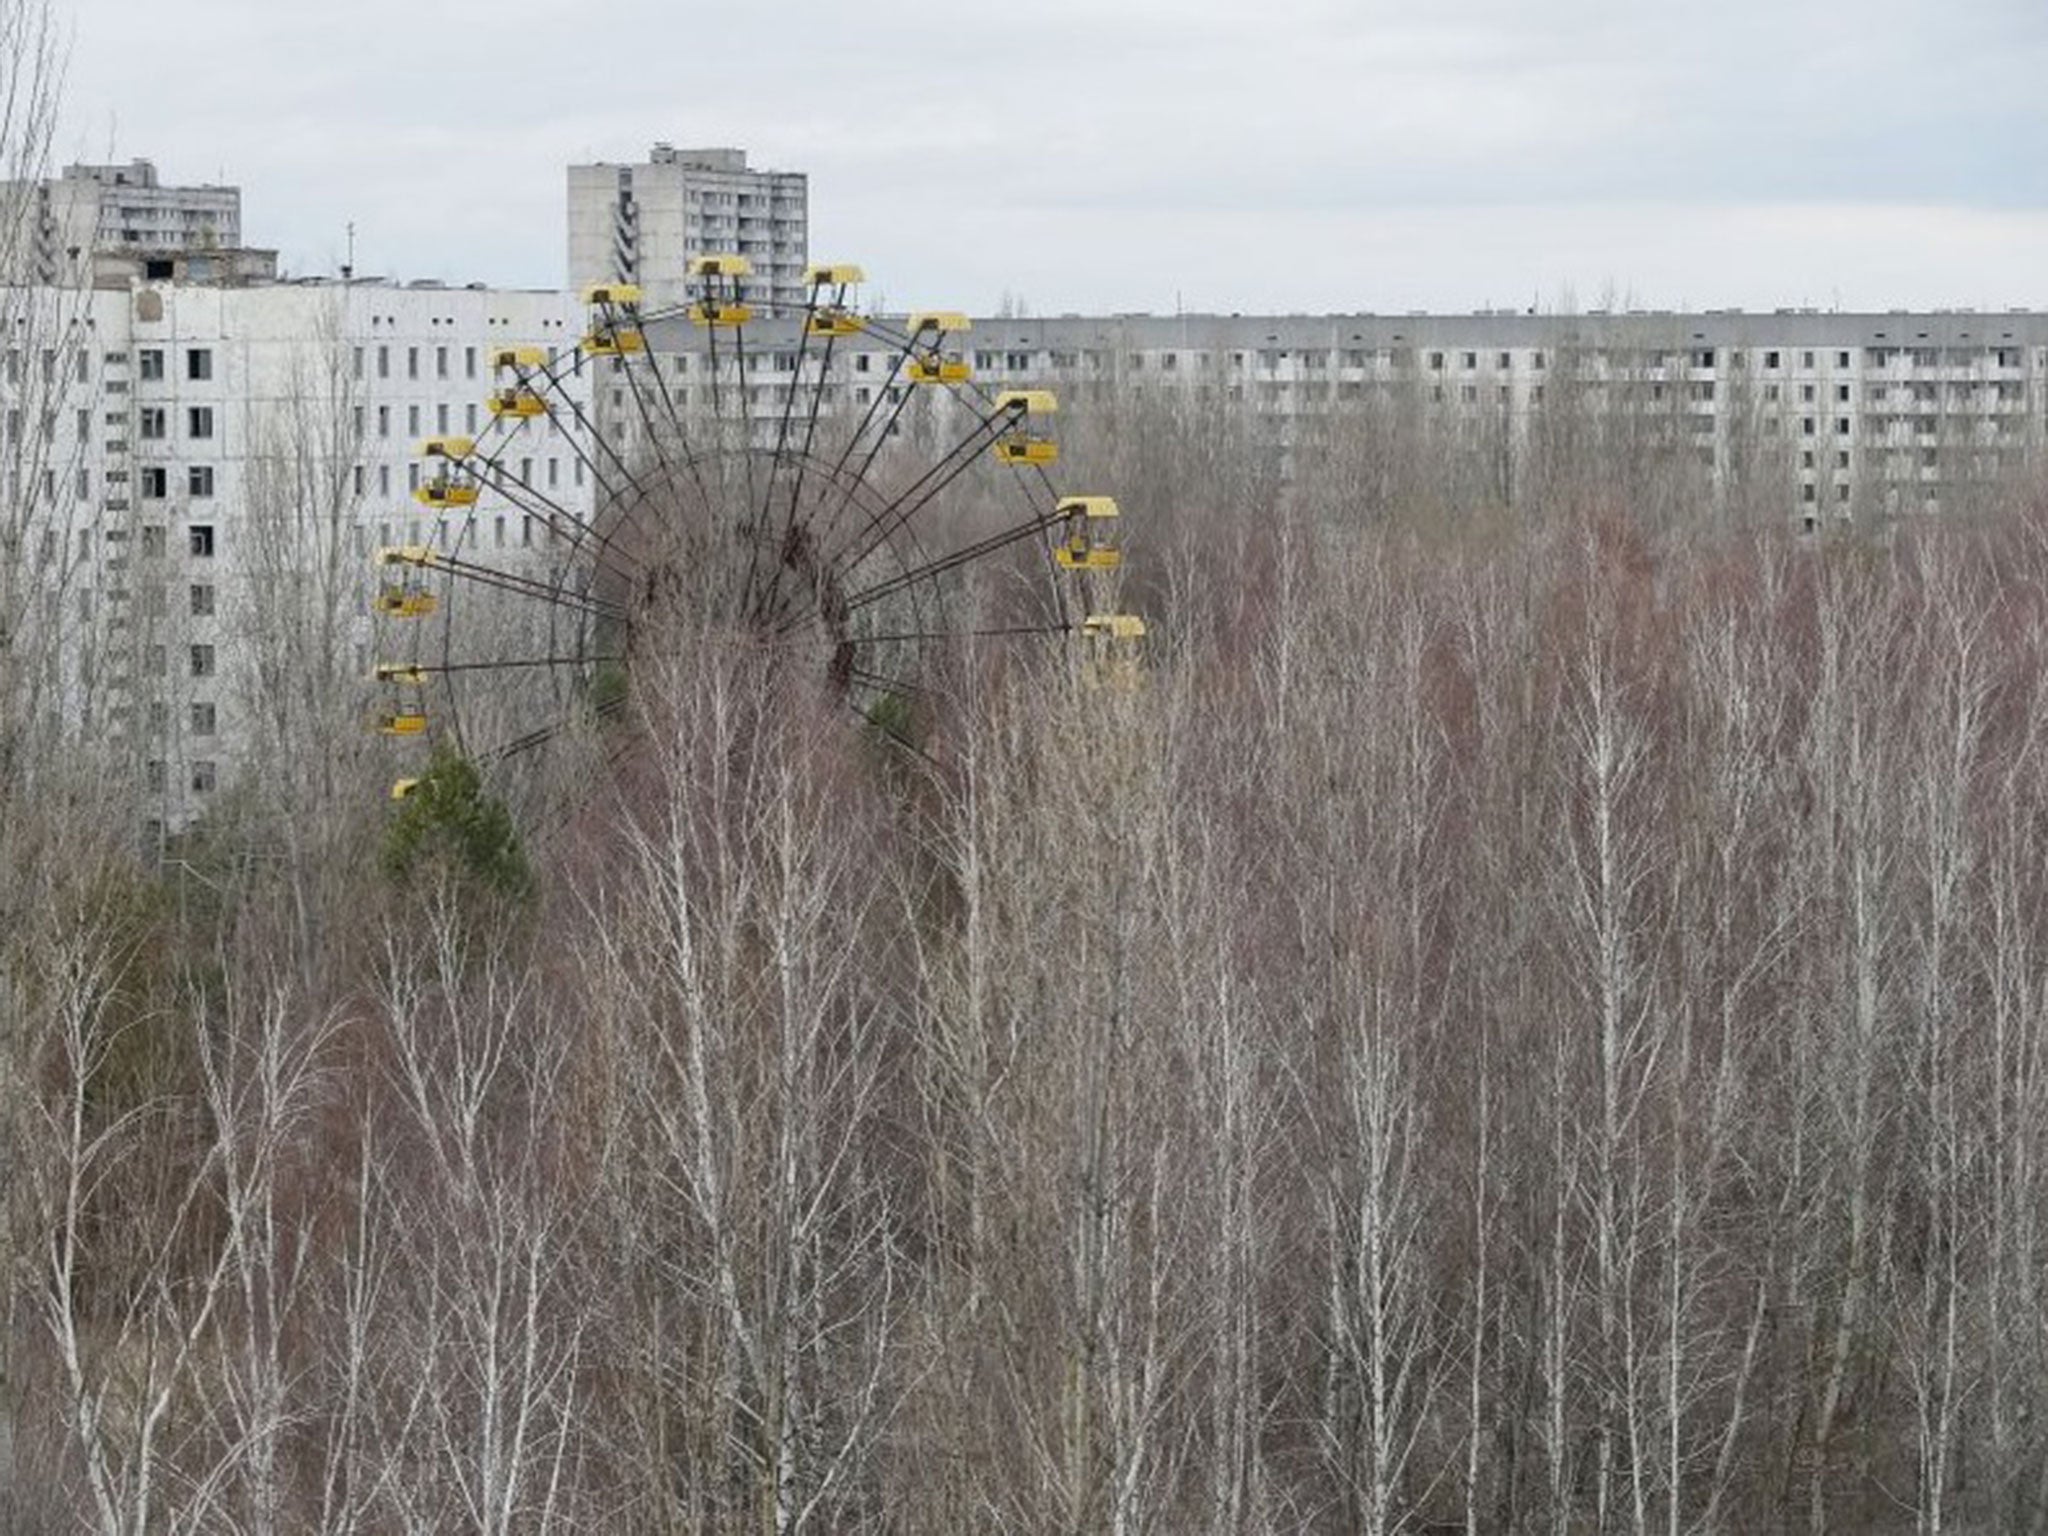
{"points": [[1510, 1022]]}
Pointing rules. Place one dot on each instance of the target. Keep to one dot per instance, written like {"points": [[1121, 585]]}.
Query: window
{"points": [[412, 362], [1436, 362], [199, 540], [383, 362], [383, 479], [412, 477], [412, 421], [1806, 426], [149, 363], [441, 419], [152, 541], [440, 362], [1806, 359], [1506, 361], [469, 362], [152, 422], [153, 775], [1841, 359], [1841, 394], [383, 421], [202, 601], [1841, 426], [203, 778], [155, 482], [199, 421], [1471, 361], [359, 480], [358, 361], [199, 480], [469, 418], [202, 661], [84, 489], [204, 720], [199, 363], [1704, 358]]}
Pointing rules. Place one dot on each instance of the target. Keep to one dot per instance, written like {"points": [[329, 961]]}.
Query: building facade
{"points": [[103, 210], [1864, 414], [642, 223], [198, 467]]}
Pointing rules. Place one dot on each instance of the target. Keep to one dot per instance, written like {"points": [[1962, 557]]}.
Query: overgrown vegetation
{"points": [[1524, 1016]]}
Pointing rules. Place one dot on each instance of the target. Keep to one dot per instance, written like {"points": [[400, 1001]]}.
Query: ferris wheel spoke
{"points": [[921, 492], [528, 499], [525, 586], [1039, 523], [1001, 630], [675, 418], [540, 736], [824, 373], [506, 663]]}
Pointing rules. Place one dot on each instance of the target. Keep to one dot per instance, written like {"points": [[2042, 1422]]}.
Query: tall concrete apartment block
{"points": [[642, 223], [115, 210]]}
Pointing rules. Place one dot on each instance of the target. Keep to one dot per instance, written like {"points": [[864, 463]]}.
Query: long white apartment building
{"points": [[641, 223], [182, 449], [1867, 414]]}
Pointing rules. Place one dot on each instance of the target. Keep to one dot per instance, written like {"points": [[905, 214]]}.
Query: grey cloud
{"points": [[946, 141]]}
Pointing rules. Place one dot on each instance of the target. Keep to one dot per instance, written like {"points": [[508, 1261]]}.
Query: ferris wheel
{"points": [[832, 487]]}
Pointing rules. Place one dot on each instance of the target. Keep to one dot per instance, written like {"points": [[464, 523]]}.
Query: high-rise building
{"points": [[642, 223], [99, 211]]}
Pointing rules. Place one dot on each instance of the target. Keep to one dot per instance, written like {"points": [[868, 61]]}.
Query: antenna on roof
{"points": [[348, 268]]}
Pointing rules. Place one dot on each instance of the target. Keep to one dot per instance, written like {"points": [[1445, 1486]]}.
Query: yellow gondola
{"points": [[1089, 541], [1113, 626], [454, 449], [1019, 445], [406, 554], [444, 491], [402, 789], [1026, 451], [720, 312], [619, 294], [833, 274], [613, 341], [834, 320], [939, 368], [719, 266], [405, 603], [402, 722], [518, 359], [517, 401], [400, 672], [1028, 402]]}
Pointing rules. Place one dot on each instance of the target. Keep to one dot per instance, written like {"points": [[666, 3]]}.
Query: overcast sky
{"points": [[1232, 155]]}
